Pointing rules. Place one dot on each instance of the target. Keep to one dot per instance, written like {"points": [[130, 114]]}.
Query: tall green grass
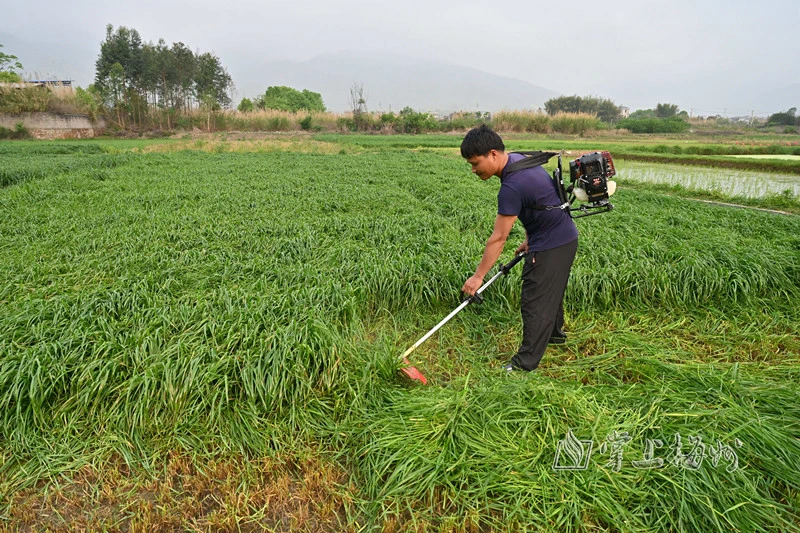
{"points": [[256, 303], [482, 452]]}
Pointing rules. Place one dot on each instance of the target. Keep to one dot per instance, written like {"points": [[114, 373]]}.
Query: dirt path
{"points": [[743, 206]]}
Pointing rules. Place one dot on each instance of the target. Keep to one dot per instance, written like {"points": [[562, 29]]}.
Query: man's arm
{"points": [[492, 251]]}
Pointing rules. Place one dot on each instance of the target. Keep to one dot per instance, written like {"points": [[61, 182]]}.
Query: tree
{"points": [[122, 49], [165, 76], [786, 118], [8, 65], [358, 104], [666, 110], [137, 79], [285, 98], [116, 86], [184, 67], [209, 104], [563, 104], [246, 105], [642, 113], [604, 109], [212, 80]]}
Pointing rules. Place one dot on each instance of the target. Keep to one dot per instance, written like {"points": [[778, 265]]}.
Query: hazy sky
{"points": [[712, 56]]}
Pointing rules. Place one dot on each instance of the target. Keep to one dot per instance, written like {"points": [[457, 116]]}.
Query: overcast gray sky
{"points": [[712, 56]]}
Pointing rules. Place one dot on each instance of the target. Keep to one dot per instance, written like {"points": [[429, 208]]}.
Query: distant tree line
{"points": [[145, 82], [665, 118]]}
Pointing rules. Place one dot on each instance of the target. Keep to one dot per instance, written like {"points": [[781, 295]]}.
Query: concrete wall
{"points": [[54, 126]]}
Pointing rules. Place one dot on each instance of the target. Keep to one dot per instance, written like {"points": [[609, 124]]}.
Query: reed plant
{"points": [[24, 98], [15, 100], [538, 122], [522, 122], [266, 120], [575, 123]]}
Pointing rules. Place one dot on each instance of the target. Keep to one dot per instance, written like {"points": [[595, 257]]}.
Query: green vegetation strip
{"points": [[250, 305]]}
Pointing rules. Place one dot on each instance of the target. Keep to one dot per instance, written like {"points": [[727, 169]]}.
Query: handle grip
{"points": [[504, 269], [508, 266]]}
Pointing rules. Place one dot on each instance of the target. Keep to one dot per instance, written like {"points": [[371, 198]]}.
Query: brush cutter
{"points": [[410, 370]]}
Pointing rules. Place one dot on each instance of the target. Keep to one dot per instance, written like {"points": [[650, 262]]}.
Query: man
{"points": [[551, 242]]}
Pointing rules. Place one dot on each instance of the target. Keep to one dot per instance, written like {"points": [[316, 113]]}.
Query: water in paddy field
{"points": [[725, 181]]}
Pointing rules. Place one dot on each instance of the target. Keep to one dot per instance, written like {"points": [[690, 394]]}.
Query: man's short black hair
{"points": [[480, 141]]}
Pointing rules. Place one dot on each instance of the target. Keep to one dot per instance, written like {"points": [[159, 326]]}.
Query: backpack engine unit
{"points": [[589, 177]]}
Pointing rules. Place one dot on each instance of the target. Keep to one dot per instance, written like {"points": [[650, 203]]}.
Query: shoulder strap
{"points": [[537, 159], [531, 159]]}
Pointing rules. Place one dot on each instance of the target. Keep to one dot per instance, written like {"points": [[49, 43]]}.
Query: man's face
{"points": [[484, 166]]}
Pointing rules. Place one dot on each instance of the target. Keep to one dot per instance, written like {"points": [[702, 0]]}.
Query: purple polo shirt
{"points": [[520, 191]]}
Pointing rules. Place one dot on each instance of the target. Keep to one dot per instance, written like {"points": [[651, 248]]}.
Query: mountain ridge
{"points": [[391, 82]]}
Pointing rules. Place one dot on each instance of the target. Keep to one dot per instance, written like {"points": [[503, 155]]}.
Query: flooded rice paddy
{"points": [[729, 182]]}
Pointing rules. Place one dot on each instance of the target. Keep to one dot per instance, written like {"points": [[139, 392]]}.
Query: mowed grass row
{"points": [[255, 303]]}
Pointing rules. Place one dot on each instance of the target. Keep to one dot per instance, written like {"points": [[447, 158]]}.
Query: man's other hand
{"points": [[472, 285]]}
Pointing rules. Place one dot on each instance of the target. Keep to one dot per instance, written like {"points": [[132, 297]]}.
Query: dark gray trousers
{"points": [[544, 280]]}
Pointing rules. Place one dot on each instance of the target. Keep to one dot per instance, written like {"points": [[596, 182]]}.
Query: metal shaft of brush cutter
{"points": [[504, 269]]}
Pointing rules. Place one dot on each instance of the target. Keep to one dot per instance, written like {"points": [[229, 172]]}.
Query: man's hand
{"points": [[472, 285], [492, 250], [522, 247]]}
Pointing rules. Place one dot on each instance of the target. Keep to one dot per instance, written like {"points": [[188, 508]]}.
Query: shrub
{"points": [[89, 102], [415, 122], [388, 118], [654, 125], [463, 121], [19, 132], [344, 124]]}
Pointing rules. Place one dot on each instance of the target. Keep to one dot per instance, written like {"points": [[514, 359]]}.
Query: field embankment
{"points": [[53, 126]]}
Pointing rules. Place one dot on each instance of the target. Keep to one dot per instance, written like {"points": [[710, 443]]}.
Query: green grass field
{"points": [[204, 335]]}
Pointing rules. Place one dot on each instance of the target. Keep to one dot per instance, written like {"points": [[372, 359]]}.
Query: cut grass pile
{"points": [[241, 308]]}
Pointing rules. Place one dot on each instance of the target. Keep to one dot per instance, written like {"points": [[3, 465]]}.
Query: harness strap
{"points": [[537, 159], [532, 159]]}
